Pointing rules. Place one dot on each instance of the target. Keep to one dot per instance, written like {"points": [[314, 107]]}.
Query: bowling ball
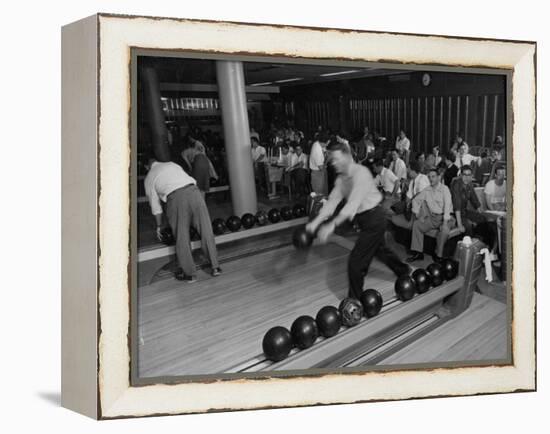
{"points": [[233, 223], [302, 239], [328, 321], [248, 220], [286, 213], [261, 218], [277, 343], [304, 332], [450, 268], [422, 280], [193, 234], [371, 300], [298, 210], [405, 288], [351, 311], [436, 274], [167, 237], [218, 226], [274, 215]]}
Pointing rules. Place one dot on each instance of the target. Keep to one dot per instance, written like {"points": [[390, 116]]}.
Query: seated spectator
{"points": [[402, 142], [495, 191], [432, 210], [433, 159], [421, 160], [398, 166], [483, 170], [417, 182], [387, 182], [299, 171], [465, 202], [463, 158], [458, 142], [451, 170]]}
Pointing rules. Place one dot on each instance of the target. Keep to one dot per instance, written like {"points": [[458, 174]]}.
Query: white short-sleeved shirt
{"points": [[399, 168], [497, 193], [257, 153], [417, 185], [163, 179], [387, 179], [316, 157], [402, 144], [466, 159]]}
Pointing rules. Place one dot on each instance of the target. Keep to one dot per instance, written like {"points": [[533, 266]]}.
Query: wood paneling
{"points": [[472, 104], [431, 121]]}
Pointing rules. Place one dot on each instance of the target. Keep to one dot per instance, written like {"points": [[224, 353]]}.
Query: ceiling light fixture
{"points": [[288, 80], [330, 74]]}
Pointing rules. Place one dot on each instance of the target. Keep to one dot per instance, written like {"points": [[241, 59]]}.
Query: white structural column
{"points": [[231, 88]]}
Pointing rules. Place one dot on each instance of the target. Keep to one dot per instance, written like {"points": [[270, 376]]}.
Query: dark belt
{"points": [[374, 208], [179, 189]]}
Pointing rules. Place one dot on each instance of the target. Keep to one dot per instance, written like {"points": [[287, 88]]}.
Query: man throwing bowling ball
{"points": [[355, 184]]}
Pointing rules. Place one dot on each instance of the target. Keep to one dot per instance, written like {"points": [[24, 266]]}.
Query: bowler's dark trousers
{"points": [[185, 207], [371, 243]]}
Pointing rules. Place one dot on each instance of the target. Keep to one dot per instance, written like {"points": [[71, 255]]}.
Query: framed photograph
{"points": [[262, 216]]}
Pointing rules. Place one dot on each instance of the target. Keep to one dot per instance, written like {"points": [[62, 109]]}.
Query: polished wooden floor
{"points": [[480, 333], [217, 323]]}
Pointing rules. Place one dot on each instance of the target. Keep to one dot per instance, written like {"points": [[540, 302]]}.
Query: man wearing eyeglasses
{"points": [[465, 201]]}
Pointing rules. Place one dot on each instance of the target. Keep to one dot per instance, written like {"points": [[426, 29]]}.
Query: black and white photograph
{"points": [[306, 216]]}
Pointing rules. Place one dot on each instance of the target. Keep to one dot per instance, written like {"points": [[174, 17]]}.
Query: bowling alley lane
{"points": [[214, 324]]}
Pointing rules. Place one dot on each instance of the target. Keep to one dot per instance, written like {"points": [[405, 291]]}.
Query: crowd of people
{"points": [[421, 192]]}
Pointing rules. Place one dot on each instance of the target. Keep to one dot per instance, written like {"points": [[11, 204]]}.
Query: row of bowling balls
{"points": [[420, 281], [247, 221], [261, 218], [279, 341]]}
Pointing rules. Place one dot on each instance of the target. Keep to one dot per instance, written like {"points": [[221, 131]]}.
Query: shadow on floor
{"points": [[53, 398]]}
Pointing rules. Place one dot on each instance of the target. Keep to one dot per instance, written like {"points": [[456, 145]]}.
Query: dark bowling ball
{"points": [[299, 211], [286, 213], [193, 234], [328, 321], [422, 280], [372, 301], [277, 343], [167, 237], [351, 311], [436, 274], [248, 220], [233, 223], [304, 332], [261, 218], [405, 288], [302, 239], [274, 215], [218, 226], [450, 268]]}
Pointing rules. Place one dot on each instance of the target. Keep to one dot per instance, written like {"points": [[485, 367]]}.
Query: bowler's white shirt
{"points": [[163, 179]]}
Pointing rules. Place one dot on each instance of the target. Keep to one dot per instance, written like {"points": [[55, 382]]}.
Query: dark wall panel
{"points": [[471, 104]]}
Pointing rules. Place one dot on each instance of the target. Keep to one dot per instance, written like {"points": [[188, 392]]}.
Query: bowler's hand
{"points": [[311, 227], [325, 232], [159, 232]]}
